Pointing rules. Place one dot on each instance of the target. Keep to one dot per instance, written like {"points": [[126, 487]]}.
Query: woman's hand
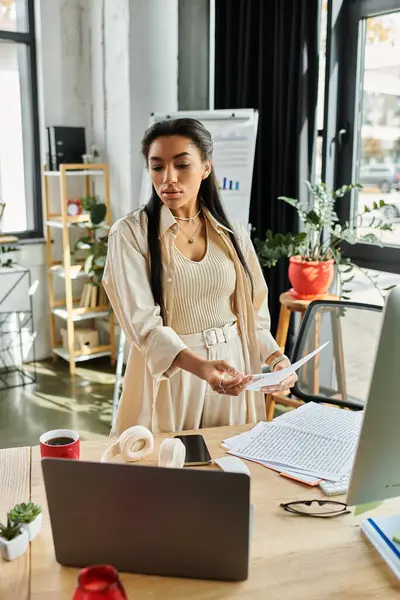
{"points": [[224, 379], [286, 384], [219, 374]]}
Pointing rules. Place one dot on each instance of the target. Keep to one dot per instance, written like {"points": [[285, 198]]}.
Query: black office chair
{"points": [[340, 374]]}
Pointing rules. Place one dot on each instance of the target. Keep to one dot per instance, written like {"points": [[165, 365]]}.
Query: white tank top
{"points": [[203, 291]]}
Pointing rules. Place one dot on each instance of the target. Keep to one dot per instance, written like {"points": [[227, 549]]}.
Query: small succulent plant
{"points": [[11, 530], [25, 512]]}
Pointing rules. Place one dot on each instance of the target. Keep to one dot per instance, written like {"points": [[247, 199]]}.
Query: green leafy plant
{"points": [[4, 249], [94, 242], [97, 209], [94, 151], [96, 245], [11, 530], [25, 512], [322, 234]]}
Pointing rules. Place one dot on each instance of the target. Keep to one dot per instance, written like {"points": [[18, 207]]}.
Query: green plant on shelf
{"points": [[11, 530], [95, 153], [94, 242], [96, 209], [25, 512]]}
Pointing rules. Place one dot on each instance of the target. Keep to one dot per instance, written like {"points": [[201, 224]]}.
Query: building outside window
{"points": [[19, 128]]}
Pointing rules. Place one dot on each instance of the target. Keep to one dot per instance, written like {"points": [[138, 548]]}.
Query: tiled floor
{"points": [[57, 400]]}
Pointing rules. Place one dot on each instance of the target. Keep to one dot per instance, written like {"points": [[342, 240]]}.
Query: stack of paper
{"points": [[311, 443]]}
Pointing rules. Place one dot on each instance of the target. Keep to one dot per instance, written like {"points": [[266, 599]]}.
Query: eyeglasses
{"points": [[317, 508]]}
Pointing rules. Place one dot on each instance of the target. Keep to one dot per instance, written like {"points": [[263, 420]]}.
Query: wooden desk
{"points": [[292, 558]]}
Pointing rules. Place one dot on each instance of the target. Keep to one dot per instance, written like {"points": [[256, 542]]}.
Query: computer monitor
{"points": [[376, 469]]}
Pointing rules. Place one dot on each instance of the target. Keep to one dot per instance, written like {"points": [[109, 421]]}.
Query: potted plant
{"points": [[95, 241], [6, 249], [96, 209], [95, 153], [88, 159], [86, 202], [13, 540], [314, 252], [91, 157], [29, 516]]}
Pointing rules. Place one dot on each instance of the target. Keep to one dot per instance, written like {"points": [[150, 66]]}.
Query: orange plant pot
{"points": [[310, 279]]}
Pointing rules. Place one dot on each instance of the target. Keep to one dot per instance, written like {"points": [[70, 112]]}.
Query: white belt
{"points": [[211, 337]]}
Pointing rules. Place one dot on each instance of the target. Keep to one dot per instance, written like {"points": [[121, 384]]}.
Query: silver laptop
{"points": [[175, 522]]}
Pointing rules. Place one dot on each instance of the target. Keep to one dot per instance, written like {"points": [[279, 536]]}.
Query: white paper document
{"points": [[268, 379], [310, 443], [246, 436], [325, 420], [287, 447]]}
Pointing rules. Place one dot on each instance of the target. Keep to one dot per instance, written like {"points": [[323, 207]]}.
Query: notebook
{"points": [[380, 532]]}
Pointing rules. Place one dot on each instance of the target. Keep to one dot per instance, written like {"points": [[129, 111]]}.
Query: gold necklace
{"points": [[189, 218], [191, 237]]}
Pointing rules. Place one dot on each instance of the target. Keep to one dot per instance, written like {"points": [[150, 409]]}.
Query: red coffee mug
{"points": [[60, 443]]}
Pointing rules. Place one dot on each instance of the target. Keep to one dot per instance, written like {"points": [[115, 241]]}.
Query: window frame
{"points": [[29, 40], [342, 92]]}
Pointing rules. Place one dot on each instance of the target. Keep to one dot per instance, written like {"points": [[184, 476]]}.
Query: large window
{"points": [[19, 130], [362, 119]]}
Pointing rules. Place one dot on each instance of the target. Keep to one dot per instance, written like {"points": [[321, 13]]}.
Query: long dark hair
{"points": [[208, 196]]}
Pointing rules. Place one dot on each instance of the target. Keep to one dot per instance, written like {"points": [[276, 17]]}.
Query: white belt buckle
{"points": [[214, 336]]}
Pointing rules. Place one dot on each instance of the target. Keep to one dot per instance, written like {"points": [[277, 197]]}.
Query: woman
{"points": [[188, 291]]}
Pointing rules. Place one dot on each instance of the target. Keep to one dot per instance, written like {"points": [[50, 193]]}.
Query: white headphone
{"points": [[137, 442]]}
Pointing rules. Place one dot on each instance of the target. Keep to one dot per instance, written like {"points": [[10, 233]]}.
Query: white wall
{"points": [[64, 65], [153, 73], [133, 71], [106, 65], [118, 101]]}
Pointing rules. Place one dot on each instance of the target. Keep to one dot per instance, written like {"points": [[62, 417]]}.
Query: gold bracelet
{"points": [[277, 360]]}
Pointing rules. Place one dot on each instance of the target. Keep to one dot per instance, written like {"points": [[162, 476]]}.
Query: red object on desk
{"points": [[310, 279], [99, 583], [50, 448]]}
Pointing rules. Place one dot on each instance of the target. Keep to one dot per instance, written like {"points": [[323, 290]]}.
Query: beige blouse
{"points": [[204, 290], [155, 344]]}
